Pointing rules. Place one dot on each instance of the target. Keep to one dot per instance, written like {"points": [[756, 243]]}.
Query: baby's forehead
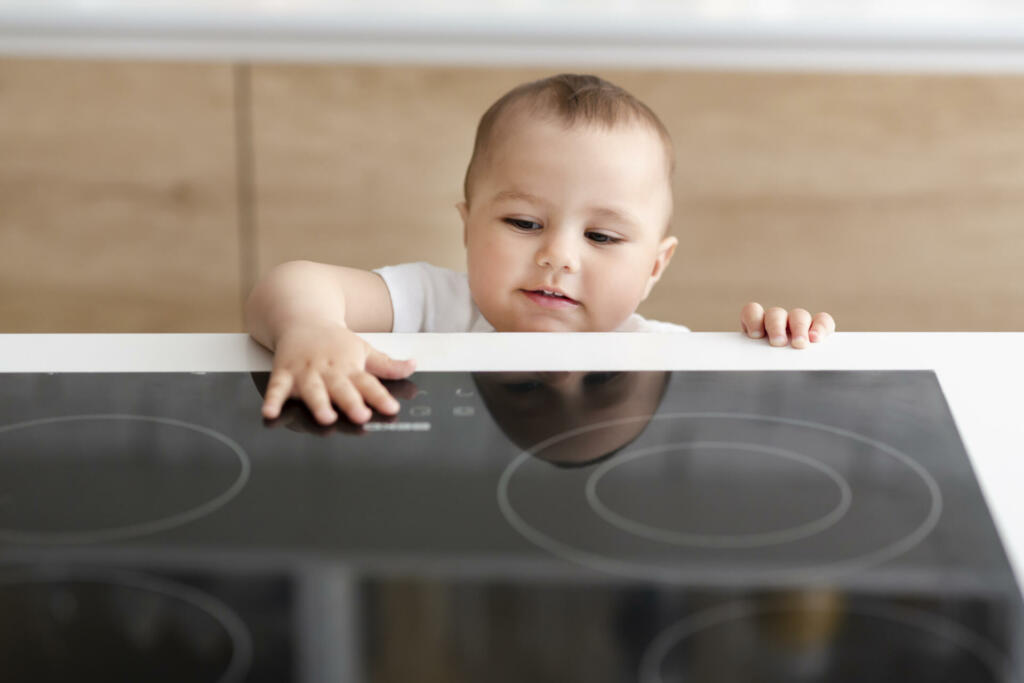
{"points": [[516, 121], [627, 163], [527, 135]]}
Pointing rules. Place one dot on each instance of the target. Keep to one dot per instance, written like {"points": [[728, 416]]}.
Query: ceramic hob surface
{"points": [[599, 526]]}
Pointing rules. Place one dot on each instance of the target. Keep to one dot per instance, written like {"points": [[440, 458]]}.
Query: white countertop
{"points": [[981, 374], [862, 35]]}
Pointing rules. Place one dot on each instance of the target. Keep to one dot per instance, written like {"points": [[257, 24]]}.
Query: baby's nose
{"points": [[558, 254]]}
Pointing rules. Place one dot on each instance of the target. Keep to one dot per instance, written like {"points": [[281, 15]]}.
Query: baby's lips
{"points": [[540, 290]]}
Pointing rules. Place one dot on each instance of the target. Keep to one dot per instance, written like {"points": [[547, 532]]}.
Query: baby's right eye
{"points": [[523, 224]]}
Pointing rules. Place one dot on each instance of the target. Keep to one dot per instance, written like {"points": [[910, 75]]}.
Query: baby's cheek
{"points": [[615, 300]]}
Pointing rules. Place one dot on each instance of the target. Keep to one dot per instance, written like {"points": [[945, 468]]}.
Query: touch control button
{"points": [[397, 427]]}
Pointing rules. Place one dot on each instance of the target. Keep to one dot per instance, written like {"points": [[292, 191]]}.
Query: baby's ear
{"points": [[463, 208], [665, 251]]}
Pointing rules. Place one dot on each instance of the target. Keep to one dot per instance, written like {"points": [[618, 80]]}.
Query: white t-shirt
{"points": [[426, 298]]}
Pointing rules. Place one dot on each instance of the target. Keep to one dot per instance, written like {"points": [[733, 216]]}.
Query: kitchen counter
{"points": [[865, 36], [980, 373]]}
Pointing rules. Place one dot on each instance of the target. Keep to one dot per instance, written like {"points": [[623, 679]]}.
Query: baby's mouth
{"points": [[550, 299]]}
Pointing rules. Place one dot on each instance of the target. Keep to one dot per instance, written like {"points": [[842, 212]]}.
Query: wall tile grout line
{"points": [[245, 178]]}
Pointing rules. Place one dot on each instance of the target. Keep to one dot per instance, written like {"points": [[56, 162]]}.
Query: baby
{"points": [[568, 201]]}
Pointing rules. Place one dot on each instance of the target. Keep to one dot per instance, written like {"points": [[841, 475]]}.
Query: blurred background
{"points": [[860, 157]]}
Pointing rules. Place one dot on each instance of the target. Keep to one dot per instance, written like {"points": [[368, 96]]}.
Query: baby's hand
{"points": [[755, 322], [322, 364]]}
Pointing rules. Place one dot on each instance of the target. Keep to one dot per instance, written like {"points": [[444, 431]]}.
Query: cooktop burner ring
{"points": [[141, 528], [236, 629], [631, 569], [651, 662], [753, 540]]}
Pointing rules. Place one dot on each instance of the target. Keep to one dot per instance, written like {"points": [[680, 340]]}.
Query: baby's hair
{"points": [[572, 99]]}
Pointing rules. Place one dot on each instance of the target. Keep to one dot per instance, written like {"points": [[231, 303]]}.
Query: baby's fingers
{"points": [[347, 397], [799, 322], [822, 326], [314, 393], [375, 393], [775, 323], [385, 366], [278, 390], [752, 320]]}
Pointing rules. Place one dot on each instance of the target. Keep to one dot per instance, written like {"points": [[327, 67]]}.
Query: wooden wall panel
{"points": [[896, 202], [117, 188], [363, 166]]}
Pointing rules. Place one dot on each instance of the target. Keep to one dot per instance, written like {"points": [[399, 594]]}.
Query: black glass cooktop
{"points": [[572, 526]]}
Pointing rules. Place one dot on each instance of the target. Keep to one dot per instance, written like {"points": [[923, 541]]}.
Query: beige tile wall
{"points": [[117, 198], [896, 202], [363, 166]]}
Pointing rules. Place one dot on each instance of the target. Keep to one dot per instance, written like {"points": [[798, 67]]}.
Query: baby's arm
{"points": [[308, 314], [756, 322]]}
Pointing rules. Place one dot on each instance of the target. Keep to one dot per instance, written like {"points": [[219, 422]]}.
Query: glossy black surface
{"points": [[603, 526]]}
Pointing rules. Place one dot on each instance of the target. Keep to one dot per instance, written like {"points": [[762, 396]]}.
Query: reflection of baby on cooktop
{"points": [[534, 407]]}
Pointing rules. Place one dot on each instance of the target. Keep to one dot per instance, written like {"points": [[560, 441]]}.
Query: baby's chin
{"points": [[516, 321], [541, 325]]}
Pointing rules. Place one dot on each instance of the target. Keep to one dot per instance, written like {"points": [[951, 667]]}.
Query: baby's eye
{"points": [[602, 238], [523, 224]]}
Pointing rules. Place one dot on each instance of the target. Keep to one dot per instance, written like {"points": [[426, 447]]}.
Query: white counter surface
{"points": [[982, 374], [871, 35]]}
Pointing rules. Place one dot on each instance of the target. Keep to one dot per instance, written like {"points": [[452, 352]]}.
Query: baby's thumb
{"points": [[386, 367]]}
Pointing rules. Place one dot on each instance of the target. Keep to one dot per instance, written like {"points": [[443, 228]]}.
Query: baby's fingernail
{"points": [[813, 335], [756, 334], [799, 342], [778, 341]]}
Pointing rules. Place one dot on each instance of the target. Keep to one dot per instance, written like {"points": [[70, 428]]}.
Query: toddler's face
{"points": [[564, 227]]}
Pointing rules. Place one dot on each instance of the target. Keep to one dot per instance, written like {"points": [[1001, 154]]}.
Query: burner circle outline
{"points": [[237, 630], [754, 540], [659, 648], [814, 573], [141, 528]]}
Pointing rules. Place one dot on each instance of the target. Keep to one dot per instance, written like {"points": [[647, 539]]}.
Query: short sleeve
{"points": [[637, 323], [426, 298]]}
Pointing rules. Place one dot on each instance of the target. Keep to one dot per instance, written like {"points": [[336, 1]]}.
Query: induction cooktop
{"points": [[562, 526]]}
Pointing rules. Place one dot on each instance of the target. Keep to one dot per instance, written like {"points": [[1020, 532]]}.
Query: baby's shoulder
{"points": [[429, 298], [638, 323]]}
